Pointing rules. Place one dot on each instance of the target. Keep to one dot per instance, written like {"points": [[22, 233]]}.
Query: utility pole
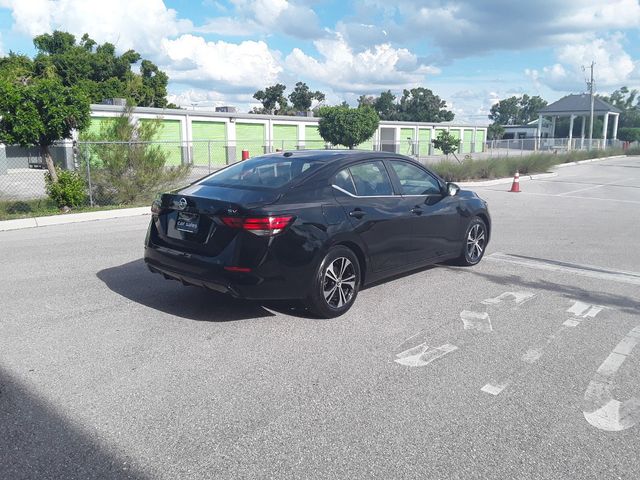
{"points": [[591, 86]]}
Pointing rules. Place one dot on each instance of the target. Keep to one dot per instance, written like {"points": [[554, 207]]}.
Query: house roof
{"points": [[578, 104]]}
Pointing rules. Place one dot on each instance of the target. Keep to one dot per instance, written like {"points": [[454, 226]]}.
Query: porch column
{"points": [[605, 127], [539, 132], [553, 126], [570, 131], [584, 120], [615, 126]]}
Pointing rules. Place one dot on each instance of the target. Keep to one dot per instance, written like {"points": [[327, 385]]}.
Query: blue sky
{"points": [[469, 52]]}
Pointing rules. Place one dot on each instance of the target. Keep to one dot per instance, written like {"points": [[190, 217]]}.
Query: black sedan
{"points": [[313, 225]]}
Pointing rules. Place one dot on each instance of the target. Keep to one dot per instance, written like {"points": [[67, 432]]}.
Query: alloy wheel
{"points": [[476, 241], [339, 282]]}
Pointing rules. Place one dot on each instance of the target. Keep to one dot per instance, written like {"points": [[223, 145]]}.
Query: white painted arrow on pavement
{"points": [[517, 297], [422, 355], [610, 414], [476, 321]]}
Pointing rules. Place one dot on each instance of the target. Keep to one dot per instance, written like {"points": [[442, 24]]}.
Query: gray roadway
{"points": [[108, 371]]}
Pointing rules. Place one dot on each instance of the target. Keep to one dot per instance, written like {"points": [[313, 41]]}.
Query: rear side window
{"points": [[268, 172], [371, 179], [414, 180], [365, 180], [344, 181]]}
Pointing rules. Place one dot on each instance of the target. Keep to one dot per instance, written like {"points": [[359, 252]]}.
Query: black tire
{"points": [[474, 243], [331, 298]]}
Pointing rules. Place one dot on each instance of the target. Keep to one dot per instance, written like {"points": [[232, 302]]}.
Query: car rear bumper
{"points": [[262, 283]]}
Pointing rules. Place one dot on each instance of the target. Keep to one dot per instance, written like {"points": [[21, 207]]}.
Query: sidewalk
{"points": [[63, 218]]}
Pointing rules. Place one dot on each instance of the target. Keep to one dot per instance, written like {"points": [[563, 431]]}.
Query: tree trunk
{"points": [[46, 157]]}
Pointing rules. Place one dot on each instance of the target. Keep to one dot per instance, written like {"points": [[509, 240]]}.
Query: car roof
{"points": [[334, 156]]}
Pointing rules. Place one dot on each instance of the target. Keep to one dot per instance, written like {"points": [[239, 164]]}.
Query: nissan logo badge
{"points": [[182, 204]]}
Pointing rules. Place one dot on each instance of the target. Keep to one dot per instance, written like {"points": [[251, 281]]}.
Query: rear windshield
{"points": [[263, 172]]}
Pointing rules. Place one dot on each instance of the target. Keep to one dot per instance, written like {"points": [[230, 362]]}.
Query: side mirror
{"points": [[452, 189]]}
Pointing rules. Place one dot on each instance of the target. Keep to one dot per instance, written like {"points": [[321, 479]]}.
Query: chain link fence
{"points": [[122, 173]]}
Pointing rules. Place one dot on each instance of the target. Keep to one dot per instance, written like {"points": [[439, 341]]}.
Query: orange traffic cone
{"points": [[515, 186]]}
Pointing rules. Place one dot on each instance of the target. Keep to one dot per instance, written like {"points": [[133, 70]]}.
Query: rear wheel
{"points": [[336, 283], [474, 244]]}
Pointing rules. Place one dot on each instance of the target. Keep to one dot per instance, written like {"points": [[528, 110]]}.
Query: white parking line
{"points": [[603, 411], [494, 389], [593, 187]]}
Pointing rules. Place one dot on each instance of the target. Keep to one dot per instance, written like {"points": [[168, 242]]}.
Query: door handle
{"points": [[416, 211], [357, 213]]}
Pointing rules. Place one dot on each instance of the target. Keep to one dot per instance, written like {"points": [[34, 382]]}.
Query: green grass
{"points": [[44, 207], [490, 168]]}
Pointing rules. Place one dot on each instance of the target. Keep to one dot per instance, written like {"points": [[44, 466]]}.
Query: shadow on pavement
{"points": [[134, 281], [38, 443], [623, 303]]}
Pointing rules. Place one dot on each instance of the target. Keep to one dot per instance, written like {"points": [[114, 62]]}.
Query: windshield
{"points": [[263, 172]]}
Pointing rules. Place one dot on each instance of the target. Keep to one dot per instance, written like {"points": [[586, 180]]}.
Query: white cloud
{"points": [[461, 28], [614, 67], [137, 24], [222, 65], [266, 17], [367, 71], [200, 98]]}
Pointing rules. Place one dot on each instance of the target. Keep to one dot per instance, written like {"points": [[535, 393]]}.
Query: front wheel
{"points": [[336, 283], [474, 244]]}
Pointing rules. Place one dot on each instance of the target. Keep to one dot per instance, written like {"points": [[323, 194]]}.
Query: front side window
{"points": [[414, 180], [371, 179]]}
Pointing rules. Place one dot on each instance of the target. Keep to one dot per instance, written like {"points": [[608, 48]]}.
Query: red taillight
{"points": [[259, 225], [237, 269]]}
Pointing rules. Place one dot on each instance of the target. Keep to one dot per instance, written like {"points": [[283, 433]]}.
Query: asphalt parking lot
{"points": [[521, 367]]}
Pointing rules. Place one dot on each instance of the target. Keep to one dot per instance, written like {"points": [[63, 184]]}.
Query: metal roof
{"points": [[96, 108], [578, 104]]}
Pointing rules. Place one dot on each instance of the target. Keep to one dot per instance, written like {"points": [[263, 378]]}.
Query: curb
{"points": [[590, 160], [506, 180], [62, 219]]}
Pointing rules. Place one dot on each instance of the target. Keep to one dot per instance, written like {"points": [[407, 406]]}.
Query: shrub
{"points": [[18, 207], [347, 126], [132, 169], [69, 191]]}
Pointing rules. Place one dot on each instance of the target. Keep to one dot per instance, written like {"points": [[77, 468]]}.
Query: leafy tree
{"points": [[302, 97], [446, 142], [628, 134], [272, 99], [347, 126], [39, 112], [416, 105], [495, 131], [421, 105], [132, 170], [517, 110], [629, 102], [99, 70], [366, 100], [386, 105]]}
